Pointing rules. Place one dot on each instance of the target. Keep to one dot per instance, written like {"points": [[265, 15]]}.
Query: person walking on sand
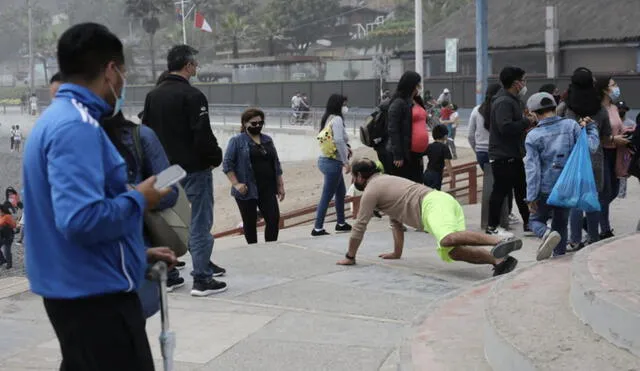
{"points": [[435, 212], [331, 163]]}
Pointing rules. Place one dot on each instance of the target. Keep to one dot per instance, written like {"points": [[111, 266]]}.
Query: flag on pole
{"points": [[202, 23]]}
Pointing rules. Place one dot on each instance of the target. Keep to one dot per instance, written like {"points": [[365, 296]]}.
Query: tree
{"points": [[270, 31], [304, 21], [14, 29], [148, 12], [234, 28]]}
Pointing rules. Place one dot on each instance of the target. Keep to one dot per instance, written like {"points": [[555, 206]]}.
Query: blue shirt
{"points": [[237, 158], [85, 235], [548, 147]]}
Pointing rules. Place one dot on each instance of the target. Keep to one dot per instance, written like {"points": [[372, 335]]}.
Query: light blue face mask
{"points": [[119, 99], [615, 93]]}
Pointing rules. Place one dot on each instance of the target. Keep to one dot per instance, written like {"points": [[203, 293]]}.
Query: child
{"points": [[439, 156], [548, 147], [7, 227], [452, 124]]}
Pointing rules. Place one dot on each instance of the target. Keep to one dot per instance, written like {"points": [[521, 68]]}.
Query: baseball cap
{"points": [[445, 90], [622, 105], [540, 101]]}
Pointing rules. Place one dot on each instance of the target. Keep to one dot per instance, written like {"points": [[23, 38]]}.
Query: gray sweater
{"points": [[478, 135], [340, 138]]}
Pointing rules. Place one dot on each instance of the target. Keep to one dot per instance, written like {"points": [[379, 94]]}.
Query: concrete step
{"points": [[449, 338], [605, 290], [530, 325]]}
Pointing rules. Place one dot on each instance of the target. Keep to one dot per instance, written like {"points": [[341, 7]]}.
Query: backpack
{"points": [[374, 130], [168, 227]]}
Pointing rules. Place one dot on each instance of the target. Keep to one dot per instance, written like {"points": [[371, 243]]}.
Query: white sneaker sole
{"points": [[546, 248], [202, 294], [174, 287]]}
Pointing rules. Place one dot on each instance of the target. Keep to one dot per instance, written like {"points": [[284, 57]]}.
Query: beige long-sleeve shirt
{"points": [[397, 197]]}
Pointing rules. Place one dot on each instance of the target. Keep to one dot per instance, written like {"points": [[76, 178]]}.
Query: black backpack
{"points": [[374, 131]]}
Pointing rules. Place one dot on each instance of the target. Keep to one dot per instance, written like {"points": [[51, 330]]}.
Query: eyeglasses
{"points": [[256, 123]]}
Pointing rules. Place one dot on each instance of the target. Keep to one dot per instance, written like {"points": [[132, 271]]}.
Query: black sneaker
{"points": [[575, 247], [343, 227], [508, 265], [206, 288], [180, 265], [377, 214], [175, 283], [217, 270], [506, 247], [322, 232], [605, 235]]}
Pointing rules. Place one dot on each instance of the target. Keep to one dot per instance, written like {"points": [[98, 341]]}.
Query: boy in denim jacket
{"points": [[548, 147]]}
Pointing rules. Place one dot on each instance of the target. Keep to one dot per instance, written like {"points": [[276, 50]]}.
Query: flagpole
{"points": [[184, 28]]}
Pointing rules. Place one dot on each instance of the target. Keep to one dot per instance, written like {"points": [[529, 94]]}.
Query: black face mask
{"points": [[557, 98], [359, 186], [254, 130]]}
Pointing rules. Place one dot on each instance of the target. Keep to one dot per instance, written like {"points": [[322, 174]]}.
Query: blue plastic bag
{"points": [[576, 186]]}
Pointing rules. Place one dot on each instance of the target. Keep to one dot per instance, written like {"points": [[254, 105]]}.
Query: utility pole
{"points": [[184, 28], [419, 57], [482, 52], [31, 72]]}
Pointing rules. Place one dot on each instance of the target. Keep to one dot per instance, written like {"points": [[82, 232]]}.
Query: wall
{"points": [[599, 60]]}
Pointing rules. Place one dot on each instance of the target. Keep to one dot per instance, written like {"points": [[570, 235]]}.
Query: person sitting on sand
{"points": [[435, 212]]}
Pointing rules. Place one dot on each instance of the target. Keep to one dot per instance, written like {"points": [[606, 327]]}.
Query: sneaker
{"points": [[217, 270], [513, 219], [343, 227], [377, 214], [498, 232], [507, 265], [206, 288], [550, 240], [506, 247], [175, 283], [316, 233], [180, 265], [526, 229], [605, 235], [575, 247]]}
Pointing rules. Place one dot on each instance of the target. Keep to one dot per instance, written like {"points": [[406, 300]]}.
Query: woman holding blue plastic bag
{"points": [[550, 148]]}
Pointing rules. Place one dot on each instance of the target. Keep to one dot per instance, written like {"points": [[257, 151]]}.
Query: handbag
{"points": [[326, 141]]}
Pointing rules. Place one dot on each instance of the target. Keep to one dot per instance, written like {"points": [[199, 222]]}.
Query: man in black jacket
{"points": [[179, 114], [506, 146]]}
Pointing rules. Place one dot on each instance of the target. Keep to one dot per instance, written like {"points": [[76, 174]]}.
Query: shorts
{"points": [[441, 216]]}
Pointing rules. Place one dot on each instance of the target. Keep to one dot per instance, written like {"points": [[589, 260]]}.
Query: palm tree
{"points": [[234, 28]]}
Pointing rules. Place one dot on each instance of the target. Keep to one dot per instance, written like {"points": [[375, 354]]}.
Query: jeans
{"points": [[508, 176], [433, 179], [483, 159], [198, 187], [575, 222], [5, 253], [559, 221], [268, 205], [610, 190], [333, 185]]}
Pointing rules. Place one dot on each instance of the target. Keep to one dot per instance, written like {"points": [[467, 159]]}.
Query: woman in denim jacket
{"points": [[252, 165]]}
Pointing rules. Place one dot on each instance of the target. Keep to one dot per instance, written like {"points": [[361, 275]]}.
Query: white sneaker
{"points": [[513, 219], [550, 240], [499, 232]]}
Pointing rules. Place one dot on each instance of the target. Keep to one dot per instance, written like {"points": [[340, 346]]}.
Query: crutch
{"points": [[158, 273]]}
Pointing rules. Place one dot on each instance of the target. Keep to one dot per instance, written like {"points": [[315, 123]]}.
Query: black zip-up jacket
{"points": [[399, 125], [179, 114], [508, 127]]}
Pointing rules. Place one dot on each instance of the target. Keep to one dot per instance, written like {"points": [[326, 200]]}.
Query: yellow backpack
{"points": [[325, 138]]}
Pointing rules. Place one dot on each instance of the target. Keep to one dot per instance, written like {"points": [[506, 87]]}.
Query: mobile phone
{"points": [[169, 177]]}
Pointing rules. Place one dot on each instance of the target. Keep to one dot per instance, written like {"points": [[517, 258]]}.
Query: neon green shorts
{"points": [[441, 216]]}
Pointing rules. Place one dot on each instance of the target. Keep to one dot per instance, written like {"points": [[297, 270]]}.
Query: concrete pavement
{"points": [[289, 307]]}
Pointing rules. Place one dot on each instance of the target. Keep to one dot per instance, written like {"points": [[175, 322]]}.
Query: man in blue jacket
{"points": [[86, 255]]}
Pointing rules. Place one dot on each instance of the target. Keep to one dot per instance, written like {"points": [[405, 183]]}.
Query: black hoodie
{"points": [[508, 127], [179, 114]]}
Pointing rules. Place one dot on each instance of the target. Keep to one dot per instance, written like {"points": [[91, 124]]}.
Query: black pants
{"points": [[508, 176], [268, 205], [101, 333], [411, 169], [433, 179]]}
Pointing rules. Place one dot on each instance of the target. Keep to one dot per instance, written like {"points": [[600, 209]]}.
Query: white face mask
{"points": [[522, 92], [345, 110]]}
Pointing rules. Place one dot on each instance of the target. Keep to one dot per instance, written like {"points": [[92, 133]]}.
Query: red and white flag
{"points": [[202, 23]]}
